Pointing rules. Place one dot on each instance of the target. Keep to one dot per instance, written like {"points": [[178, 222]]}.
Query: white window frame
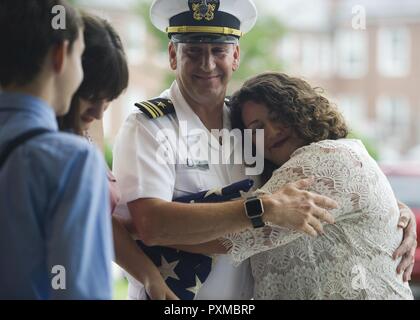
{"points": [[351, 53], [326, 57], [394, 60], [310, 56], [393, 116], [353, 108]]}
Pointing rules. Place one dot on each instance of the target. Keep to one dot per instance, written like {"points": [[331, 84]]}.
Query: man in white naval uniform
{"points": [[204, 53]]}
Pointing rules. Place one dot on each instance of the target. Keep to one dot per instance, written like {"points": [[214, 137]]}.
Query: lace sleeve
{"points": [[339, 174]]}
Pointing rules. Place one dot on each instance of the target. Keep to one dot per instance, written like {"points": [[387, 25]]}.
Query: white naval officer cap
{"points": [[204, 21]]}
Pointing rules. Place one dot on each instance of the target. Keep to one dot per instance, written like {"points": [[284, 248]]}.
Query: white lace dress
{"points": [[353, 260]]}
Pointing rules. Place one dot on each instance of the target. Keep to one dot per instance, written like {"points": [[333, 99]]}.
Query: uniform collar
{"points": [[185, 114], [183, 110]]}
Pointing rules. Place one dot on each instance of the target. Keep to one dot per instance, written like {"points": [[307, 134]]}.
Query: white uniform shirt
{"points": [[140, 175]]}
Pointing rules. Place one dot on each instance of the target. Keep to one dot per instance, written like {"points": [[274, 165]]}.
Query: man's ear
{"points": [[59, 55], [172, 55], [236, 58]]}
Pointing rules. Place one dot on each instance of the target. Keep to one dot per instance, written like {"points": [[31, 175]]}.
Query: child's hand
{"points": [[157, 289]]}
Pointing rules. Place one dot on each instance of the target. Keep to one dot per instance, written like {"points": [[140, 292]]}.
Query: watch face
{"points": [[254, 208]]}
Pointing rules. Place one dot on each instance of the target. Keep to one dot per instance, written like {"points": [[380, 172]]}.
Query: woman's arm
{"points": [[339, 175], [131, 258], [208, 248]]}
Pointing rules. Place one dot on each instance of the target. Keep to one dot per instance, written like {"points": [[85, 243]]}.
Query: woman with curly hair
{"points": [[305, 136]]}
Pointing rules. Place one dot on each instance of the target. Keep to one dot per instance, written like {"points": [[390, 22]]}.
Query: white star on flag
{"points": [[167, 269], [197, 287]]}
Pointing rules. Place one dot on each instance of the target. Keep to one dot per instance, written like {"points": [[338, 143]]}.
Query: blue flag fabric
{"points": [[184, 272]]}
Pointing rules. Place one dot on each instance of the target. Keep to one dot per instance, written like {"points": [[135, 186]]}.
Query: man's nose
{"points": [[207, 62]]}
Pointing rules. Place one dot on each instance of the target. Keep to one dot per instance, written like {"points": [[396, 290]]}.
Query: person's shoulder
{"points": [[156, 108], [339, 153], [64, 147], [327, 157], [348, 147], [67, 140], [152, 116], [336, 147]]}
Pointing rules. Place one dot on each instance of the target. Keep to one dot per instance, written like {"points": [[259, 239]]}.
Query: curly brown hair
{"points": [[293, 102]]}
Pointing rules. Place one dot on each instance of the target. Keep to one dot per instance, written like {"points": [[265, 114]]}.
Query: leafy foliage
{"points": [[370, 145], [108, 154]]}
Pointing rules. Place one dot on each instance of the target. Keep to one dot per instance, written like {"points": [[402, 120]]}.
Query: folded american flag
{"points": [[185, 272]]}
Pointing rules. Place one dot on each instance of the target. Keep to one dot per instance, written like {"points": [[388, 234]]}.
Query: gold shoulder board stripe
{"points": [[156, 108]]}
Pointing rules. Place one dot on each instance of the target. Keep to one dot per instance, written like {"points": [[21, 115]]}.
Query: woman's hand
{"points": [[295, 208]]}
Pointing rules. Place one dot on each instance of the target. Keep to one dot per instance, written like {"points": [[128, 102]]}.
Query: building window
{"points": [[393, 116], [393, 51], [353, 108], [326, 59], [310, 56], [352, 53]]}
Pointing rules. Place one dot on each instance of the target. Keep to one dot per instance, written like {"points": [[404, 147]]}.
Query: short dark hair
{"points": [[293, 102], [104, 66], [27, 34], [104, 61]]}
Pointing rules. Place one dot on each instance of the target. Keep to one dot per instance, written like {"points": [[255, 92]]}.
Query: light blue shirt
{"points": [[55, 224]]}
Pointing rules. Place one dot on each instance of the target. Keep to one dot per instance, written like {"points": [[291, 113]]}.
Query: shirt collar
{"points": [[183, 109], [185, 113], [25, 103]]}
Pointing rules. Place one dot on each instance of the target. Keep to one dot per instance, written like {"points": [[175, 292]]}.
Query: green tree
{"points": [[108, 154], [161, 38], [369, 144]]}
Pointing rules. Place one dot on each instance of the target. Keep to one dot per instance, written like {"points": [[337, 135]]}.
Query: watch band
{"points": [[257, 222]]}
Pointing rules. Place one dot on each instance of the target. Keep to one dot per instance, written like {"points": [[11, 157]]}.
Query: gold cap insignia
{"points": [[204, 9]]}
